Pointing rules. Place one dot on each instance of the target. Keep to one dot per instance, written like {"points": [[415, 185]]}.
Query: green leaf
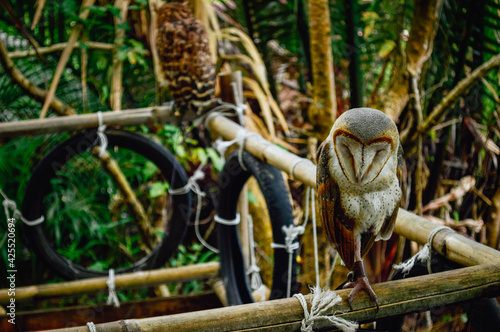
{"points": [[149, 170], [251, 198], [386, 48], [158, 188], [83, 46], [97, 266], [123, 26], [201, 155], [216, 159]]}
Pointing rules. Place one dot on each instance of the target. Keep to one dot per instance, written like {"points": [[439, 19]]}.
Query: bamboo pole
{"points": [[160, 114], [61, 46], [396, 297], [122, 281], [451, 245]]}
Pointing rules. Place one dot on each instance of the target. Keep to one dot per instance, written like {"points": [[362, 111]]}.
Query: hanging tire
{"points": [[273, 187], [62, 165]]}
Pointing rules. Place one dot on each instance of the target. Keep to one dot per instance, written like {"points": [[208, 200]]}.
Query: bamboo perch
{"points": [[396, 297], [160, 114], [122, 281], [451, 245]]}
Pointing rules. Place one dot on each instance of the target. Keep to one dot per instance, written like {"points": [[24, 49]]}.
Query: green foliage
{"points": [[194, 254], [88, 219]]}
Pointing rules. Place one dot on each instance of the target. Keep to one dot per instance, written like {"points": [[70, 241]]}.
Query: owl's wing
{"points": [[337, 226], [388, 226], [185, 56]]}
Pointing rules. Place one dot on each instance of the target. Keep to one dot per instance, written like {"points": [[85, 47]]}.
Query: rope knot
{"points": [[422, 255], [321, 308]]}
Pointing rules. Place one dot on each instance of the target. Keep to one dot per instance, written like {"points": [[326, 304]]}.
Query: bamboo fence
{"points": [[481, 279], [396, 297]]}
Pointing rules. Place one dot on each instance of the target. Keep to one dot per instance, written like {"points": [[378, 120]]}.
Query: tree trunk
{"points": [[424, 25], [323, 110]]}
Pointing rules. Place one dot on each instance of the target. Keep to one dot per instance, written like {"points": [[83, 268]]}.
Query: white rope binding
{"points": [[101, 136], [422, 255], [112, 296], [253, 270], [193, 186], [321, 308], [91, 327], [9, 204], [241, 135], [228, 222], [291, 232]]}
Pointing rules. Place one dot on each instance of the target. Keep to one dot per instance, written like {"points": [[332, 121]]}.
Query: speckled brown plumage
{"points": [[183, 50]]}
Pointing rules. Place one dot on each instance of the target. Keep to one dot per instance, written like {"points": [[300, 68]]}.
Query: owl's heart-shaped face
{"points": [[361, 162]]}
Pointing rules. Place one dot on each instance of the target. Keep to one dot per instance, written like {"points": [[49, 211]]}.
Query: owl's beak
{"points": [[360, 173]]}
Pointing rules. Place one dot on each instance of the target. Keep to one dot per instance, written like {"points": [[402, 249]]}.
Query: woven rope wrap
{"points": [[322, 305], [91, 327], [422, 255]]}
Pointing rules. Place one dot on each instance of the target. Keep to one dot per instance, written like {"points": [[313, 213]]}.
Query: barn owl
{"points": [[359, 190], [184, 54]]}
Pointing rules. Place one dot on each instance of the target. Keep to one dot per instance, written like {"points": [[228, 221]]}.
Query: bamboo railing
{"points": [[396, 297], [158, 114], [122, 281], [449, 244]]}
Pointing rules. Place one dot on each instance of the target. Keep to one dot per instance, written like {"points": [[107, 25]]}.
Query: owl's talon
{"points": [[361, 283], [358, 282]]}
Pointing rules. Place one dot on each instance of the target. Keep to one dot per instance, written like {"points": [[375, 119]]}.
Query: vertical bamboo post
{"points": [[117, 79]]}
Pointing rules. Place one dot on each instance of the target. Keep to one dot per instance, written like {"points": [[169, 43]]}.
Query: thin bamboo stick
{"points": [[451, 245], [396, 297], [61, 46], [137, 210], [158, 114], [122, 281]]}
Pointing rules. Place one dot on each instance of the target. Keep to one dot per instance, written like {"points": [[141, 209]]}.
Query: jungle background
{"points": [[432, 66]]}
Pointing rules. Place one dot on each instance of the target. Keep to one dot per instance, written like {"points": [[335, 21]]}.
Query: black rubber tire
{"points": [[271, 183], [39, 184]]}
